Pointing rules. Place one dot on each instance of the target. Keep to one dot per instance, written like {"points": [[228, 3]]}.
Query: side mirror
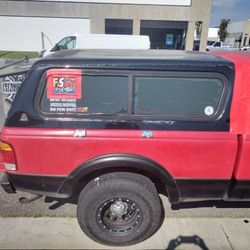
{"points": [[41, 53]]}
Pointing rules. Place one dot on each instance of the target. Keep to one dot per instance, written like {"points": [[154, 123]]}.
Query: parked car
{"points": [[211, 45], [214, 45], [99, 41], [116, 128], [245, 48]]}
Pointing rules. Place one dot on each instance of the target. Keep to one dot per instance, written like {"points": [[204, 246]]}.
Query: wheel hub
{"points": [[119, 215], [119, 208]]}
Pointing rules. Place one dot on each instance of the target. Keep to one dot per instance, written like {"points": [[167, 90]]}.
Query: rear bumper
{"points": [[40, 185], [7, 185]]}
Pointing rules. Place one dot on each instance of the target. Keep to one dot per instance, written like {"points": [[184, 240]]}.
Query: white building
{"points": [[239, 33], [213, 34], [170, 24]]}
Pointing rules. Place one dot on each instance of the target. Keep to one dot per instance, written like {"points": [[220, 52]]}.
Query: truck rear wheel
{"points": [[119, 209]]}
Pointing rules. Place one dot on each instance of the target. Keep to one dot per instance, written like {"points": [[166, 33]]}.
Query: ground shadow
{"points": [[196, 240], [182, 205], [217, 204], [60, 202]]}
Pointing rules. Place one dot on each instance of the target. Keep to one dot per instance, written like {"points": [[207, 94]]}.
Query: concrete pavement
{"points": [[44, 225], [175, 233]]}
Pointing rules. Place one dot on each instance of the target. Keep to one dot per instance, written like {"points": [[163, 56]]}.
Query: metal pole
{"points": [[42, 36]]}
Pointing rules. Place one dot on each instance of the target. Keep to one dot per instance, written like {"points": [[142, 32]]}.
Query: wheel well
{"points": [[86, 172], [160, 187]]}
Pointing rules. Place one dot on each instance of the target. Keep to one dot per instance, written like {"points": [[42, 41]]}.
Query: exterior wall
{"points": [[198, 11], [213, 34], [239, 30], [18, 38], [246, 33], [235, 27]]}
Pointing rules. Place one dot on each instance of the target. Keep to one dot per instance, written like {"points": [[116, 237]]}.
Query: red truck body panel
{"points": [[184, 154], [242, 170], [240, 109]]}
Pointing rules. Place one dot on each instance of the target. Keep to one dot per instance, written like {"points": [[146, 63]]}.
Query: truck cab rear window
{"points": [[68, 93], [177, 96]]}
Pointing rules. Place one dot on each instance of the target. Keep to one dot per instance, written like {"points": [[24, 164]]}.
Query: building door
{"points": [[165, 34]]}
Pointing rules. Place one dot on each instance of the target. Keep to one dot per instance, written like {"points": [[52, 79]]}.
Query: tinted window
{"points": [[165, 34], [210, 43], [97, 94], [119, 26], [217, 44], [68, 42], [105, 94], [71, 43], [177, 96]]}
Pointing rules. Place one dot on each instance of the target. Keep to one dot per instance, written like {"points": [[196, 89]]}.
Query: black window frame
{"points": [[225, 95]]}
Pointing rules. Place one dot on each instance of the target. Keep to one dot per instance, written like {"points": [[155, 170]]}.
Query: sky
{"points": [[235, 10]]}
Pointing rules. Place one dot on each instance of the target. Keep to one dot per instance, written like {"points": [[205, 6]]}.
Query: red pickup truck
{"points": [[116, 128]]}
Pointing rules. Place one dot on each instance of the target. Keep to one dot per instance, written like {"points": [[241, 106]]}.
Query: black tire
{"points": [[135, 194]]}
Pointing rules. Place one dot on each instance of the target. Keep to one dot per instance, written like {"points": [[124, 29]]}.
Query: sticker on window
{"points": [[209, 110], [82, 109], [64, 83]]}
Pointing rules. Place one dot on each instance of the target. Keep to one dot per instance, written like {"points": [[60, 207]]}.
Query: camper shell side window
{"points": [[170, 95], [77, 92], [175, 96]]}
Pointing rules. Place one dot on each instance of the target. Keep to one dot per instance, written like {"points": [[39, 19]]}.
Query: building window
{"points": [[119, 26]]}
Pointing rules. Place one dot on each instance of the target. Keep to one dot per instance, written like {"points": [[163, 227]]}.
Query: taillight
{"points": [[8, 156]]}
